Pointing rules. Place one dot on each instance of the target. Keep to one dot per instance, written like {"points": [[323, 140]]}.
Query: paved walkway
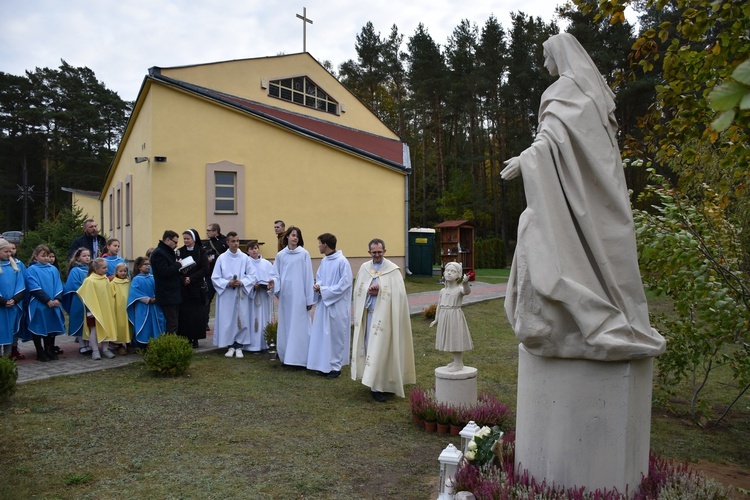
{"points": [[71, 362]]}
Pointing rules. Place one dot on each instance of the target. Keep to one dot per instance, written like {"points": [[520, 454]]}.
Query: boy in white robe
{"points": [[293, 285], [331, 329], [233, 278], [261, 300]]}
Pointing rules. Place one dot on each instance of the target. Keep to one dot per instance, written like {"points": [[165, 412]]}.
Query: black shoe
{"points": [[195, 344], [42, 356], [58, 350], [378, 396], [50, 350], [335, 374]]}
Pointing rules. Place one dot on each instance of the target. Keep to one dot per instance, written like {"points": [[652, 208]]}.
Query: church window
{"points": [[225, 184], [111, 218], [119, 208], [303, 91], [128, 203]]}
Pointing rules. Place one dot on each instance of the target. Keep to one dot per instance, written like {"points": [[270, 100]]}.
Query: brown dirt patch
{"points": [[727, 474]]}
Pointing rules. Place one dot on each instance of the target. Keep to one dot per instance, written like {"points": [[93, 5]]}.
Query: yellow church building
{"points": [[243, 143]]}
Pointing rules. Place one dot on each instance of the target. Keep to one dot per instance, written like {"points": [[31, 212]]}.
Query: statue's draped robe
{"points": [[575, 288]]}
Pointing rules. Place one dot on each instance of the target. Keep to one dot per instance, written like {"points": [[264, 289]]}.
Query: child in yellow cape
{"points": [[120, 284], [98, 297]]}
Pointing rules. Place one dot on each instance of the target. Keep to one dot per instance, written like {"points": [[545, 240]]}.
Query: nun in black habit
{"points": [[192, 320]]}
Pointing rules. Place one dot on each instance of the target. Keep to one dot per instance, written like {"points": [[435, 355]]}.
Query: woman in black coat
{"points": [[192, 323]]}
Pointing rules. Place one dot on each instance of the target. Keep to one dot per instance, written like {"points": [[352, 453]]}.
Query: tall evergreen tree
{"points": [[58, 127], [427, 80], [463, 141], [492, 61]]}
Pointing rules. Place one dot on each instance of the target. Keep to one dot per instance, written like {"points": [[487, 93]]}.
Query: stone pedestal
{"points": [[584, 423], [456, 387]]}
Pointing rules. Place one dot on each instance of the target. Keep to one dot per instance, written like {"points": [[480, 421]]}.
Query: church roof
{"points": [[390, 152]]}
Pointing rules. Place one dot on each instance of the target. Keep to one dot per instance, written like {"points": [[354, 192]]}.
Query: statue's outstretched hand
{"points": [[512, 168]]}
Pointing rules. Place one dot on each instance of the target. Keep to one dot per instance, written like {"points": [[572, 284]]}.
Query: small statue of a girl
{"points": [[452, 330]]}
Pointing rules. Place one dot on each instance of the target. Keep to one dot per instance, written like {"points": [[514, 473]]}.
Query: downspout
{"points": [[407, 164]]}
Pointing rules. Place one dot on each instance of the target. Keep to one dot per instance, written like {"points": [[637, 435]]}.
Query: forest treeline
{"points": [[58, 128], [467, 105]]}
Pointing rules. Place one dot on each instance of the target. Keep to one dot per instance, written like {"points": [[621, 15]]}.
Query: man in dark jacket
{"points": [[214, 245], [166, 268], [90, 239]]}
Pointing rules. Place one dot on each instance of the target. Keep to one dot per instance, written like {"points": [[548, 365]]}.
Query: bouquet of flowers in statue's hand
{"points": [[481, 448]]}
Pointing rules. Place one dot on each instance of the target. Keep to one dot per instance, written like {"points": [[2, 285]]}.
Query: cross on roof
{"points": [[305, 20]]}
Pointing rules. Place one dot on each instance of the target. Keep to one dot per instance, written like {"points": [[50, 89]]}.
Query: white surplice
{"points": [[261, 305], [294, 288], [232, 304], [331, 330]]}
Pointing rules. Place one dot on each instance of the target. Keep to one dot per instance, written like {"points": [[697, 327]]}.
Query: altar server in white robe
{"points": [[261, 301], [331, 330], [293, 286], [233, 278]]}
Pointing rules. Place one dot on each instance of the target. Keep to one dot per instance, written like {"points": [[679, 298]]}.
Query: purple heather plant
{"points": [[488, 410], [444, 413], [666, 480], [418, 402]]}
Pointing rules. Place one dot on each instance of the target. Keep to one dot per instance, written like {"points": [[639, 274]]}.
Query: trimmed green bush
{"points": [[490, 254], [8, 377], [169, 354]]}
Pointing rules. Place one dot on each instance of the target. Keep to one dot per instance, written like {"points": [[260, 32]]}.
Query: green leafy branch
{"points": [[730, 96]]}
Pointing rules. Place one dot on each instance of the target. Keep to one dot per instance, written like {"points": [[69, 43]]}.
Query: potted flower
{"points": [[269, 332], [418, 401], [455, 420], [443, 416], [482, 447], [430, 417], [492, 412]]}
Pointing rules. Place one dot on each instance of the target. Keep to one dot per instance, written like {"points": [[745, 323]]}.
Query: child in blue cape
{"points": [[44, 315], [144, 313], [12, 287]]}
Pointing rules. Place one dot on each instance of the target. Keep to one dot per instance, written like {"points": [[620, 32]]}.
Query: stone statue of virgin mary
{"points": [[575, 289]]}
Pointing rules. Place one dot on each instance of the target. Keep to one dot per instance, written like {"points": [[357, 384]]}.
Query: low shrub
{"points": [[269, 332], [444, 413], [419, 400], [490, 254], [429, 312], [8, 377], [490, 412], [487, 411], [169, 354]]}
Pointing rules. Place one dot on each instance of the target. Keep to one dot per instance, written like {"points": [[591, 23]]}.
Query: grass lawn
{"points": [[249, 428]]}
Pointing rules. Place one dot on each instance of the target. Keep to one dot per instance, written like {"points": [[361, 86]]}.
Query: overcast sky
{"points": [[120, 39]]}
